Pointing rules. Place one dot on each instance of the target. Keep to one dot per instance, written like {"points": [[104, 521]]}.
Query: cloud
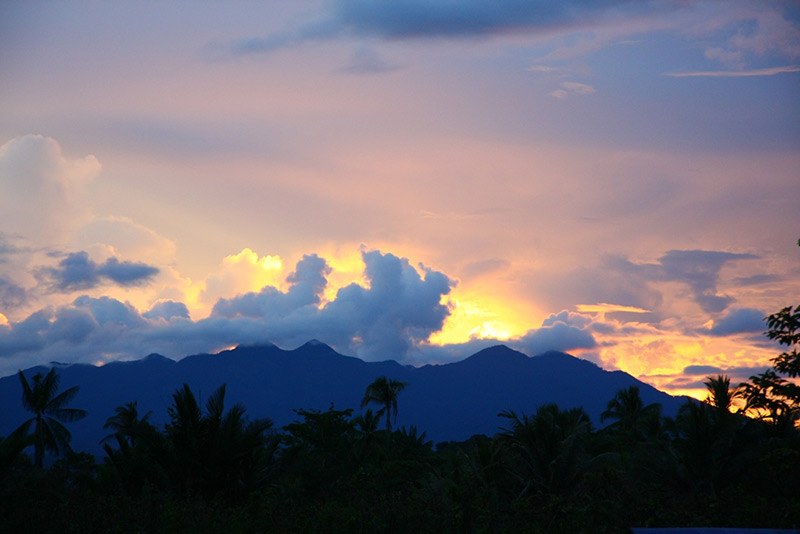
{"points": [[78, 272], [109, 311], [568, 318], [560, 337], [700, 270], [572, 88], [757, 279], [734, 73], [739, 321], [708, 370], [125, 238], [307, 284], [167, 310], [11, 295], [694, 376], [397, 310], [417, 18], [39, 189], [241, 273], [702, 370], [366, 60], [614, 284]]}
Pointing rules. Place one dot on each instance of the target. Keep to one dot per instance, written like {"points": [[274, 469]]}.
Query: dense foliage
{"points": [[215, 470]]}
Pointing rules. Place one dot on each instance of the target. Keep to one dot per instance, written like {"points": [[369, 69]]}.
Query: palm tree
{"points": [[721, 396], [550, 447], [126, 423], [215, 452], [630, 412], [384, 391], [41, 399]]}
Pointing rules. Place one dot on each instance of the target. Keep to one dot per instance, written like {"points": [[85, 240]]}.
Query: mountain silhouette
{"points": [[450, 402]]}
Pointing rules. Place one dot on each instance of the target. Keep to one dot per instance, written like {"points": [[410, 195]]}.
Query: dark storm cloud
{"points": [[78, 272]]}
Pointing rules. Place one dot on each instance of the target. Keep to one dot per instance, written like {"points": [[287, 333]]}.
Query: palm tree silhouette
{"points": [[720, 394], [215, 452], [630, 412], [41, 399], [384, 391], [126, 423], [549, 446]]}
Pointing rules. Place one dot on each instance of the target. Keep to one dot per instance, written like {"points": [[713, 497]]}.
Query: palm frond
{"points": [[68, 415], [63, 398]]}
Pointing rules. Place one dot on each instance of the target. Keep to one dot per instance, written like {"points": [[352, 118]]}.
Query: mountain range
{"points": [[449, 402]]}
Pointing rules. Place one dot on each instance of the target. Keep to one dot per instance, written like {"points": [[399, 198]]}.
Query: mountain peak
{"points": [[315, 347], [155, 357], [496, 355], [554, 356]]}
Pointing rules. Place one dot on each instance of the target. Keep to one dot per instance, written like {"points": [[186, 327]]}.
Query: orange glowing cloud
{"points": [[241, 273]]}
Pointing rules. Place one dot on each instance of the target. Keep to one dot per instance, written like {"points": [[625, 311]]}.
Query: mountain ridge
{"points": [[451, 401]]}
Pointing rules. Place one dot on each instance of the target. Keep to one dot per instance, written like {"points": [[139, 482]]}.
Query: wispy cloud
{"points": [[365, 60], [772, 71], [572, 88]]}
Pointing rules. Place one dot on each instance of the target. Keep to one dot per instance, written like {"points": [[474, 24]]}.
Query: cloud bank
{"points": [[391, 316]]}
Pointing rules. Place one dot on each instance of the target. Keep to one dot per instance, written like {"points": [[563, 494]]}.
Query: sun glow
{"points": [[479, 318]]}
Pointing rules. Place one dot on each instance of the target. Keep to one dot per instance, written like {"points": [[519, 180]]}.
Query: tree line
{"points": [[731, 460]]}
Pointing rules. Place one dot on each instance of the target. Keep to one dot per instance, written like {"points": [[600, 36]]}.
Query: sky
{"points": [[404, 180]]}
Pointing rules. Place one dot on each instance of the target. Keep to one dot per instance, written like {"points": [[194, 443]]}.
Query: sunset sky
{"points": [[406, 180]]}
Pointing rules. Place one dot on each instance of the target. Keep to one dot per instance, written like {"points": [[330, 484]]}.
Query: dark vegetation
{"points": [[213, 469]]}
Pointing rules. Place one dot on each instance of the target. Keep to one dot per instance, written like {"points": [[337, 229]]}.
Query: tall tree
{"points": [[384, 391], [48, 408], [126, 423], [720, 394], [631, 414], [550, 447], [217, 452], [769, 394]]}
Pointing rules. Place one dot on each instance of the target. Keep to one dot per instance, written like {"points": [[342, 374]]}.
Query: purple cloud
{"points": [[78, 272]]}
